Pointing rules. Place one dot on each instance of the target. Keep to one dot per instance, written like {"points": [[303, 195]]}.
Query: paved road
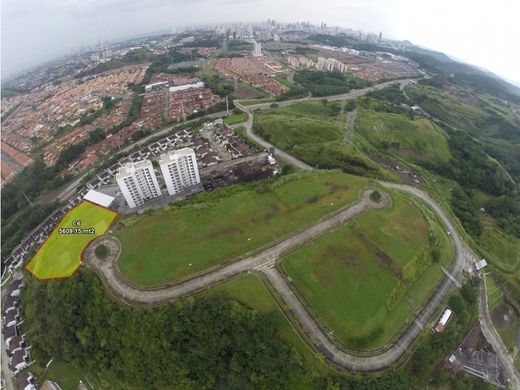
{"points": [[492, 337], [266, 258], [284, 155], [392, 354], [256, 260], [278, 153], [70, 190]]}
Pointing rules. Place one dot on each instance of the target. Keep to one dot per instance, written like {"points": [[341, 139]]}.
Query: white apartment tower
{"points": [[179, 169], [138, 182]]}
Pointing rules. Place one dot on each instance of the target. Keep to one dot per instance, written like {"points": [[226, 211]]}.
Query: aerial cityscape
{"points": [[259, 205]]}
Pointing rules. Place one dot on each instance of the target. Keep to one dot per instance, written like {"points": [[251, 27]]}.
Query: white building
{"points": [[441, 325], [179, 169], [138, 182], [257, 49]]}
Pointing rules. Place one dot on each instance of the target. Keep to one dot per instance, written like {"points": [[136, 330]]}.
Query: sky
{"points": [[482, 33]]}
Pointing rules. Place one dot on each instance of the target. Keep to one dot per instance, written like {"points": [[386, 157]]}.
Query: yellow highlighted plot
{"points": [[60, 255]]}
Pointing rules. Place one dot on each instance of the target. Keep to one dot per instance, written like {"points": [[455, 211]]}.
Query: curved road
{"points": [[265, 261], [256, 260], [284, 155]]}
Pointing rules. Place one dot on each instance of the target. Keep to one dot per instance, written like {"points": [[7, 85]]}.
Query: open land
{"points": [[252, 292], [310, 131], [365, 279], [60, 254], [415, 140], [166, 246]]}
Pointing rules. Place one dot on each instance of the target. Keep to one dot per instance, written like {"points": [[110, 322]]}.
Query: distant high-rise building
{"points": [[179, 169], [257, 49], [380, 36], [138, 182], [234, 35]]}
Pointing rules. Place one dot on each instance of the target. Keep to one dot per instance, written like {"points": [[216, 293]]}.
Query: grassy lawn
{"points": [[251, 291], [502, 249], [417, 140], [315, 133], [60, 254], [506, 319], [65, 374], [166, 245], [365, 279], [235, 118], [250, 102]]}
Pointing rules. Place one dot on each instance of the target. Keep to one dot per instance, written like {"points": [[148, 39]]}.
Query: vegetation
{"points": [[163, 246], [67, 375], [235, 118], [19, 216], [391, 249], [101, 251], [196, 343], [375, 196], [423, 364], [322, 83], [250, 291], [133, 57], [417, 140], [60, 255], [311, 132]]}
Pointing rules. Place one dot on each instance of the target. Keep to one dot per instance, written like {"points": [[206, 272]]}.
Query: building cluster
{"points": [[45, 110], [80, 134], [184, 102], [235, 145], [13, 161], [253, 71], [17, 348], [475, 356], [320, 63], [372, 66], [175, 97], [208, 162]]}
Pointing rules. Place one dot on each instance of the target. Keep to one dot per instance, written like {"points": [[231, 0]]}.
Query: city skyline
{"points": [[483, 37]]}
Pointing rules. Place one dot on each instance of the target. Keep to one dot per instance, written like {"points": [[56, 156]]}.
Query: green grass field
{"points": [[60, 254], [315, 133], [417, 140], [365, 279], [251, 291], [250, 102], [216, 227], [65, 374], [502, 249], [235, 118]]}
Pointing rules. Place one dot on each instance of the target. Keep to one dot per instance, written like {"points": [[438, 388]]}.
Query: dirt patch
{"points": [[314, 199], [333, 187], [502, 315], [232, 229], [389, 263]]}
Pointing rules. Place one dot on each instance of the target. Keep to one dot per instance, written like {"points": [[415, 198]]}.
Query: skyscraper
{"points": [[138, 182], [179, 169], [257, 49]]}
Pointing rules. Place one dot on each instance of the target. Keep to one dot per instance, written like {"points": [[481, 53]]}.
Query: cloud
{"points": [[34, 31]]}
